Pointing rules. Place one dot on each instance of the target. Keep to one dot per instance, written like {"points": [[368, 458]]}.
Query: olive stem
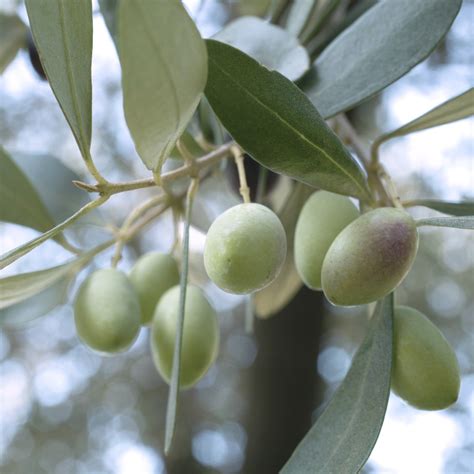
{"points": [[136, 213], [239, 161], [186, 170], [391, 188], [249, 314]]}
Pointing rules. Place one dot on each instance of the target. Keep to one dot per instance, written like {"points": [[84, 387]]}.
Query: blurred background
{"points": [[64, 409]]}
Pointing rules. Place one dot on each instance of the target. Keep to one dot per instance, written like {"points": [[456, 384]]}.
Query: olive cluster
{"points": [[110, 307], [357, 259]]}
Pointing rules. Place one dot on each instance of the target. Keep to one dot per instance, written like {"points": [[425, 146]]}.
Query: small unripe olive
{"points": [[425, 371], [370, 257], [153, 274], [107, 311], [245, 248], [200, 335], [321, 219]]}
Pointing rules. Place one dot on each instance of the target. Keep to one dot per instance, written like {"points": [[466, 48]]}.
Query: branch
{"points": [[185, 170]]}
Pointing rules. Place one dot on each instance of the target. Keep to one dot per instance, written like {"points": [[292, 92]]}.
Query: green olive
{"points": [[322, 218], [153, 274], [370, 257], [107, 311], [245, 248], [425, 370], [200, 335]]}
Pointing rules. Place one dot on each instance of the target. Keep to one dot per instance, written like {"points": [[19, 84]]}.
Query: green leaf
{"points": [[270, 45], [172, 405], [27, 296], [62, 32], [13, 34], [276, 124], [17, 288], [376, 50], [321, 41], [164, 70], [54, 184], [281, 291], [37, 305], [344, 435], [457, 108], [13, 255], [319, 18], [462, 208], [108, 8], [462, 222], [298, 15], [20, 202]]}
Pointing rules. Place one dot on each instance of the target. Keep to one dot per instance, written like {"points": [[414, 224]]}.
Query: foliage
{"points": [[252, 106]]}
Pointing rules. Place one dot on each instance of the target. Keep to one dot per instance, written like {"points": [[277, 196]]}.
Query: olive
{"points": [[370, 257], [425, 371], [107, 311], [153, 274], [321, 219], [245, 248], [200, 335]]}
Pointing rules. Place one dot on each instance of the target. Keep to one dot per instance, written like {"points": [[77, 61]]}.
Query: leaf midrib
{"points": [[279, 117]]}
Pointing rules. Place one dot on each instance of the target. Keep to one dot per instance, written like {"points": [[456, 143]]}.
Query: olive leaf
{"points": [[270, 45], [321, 41], [108, 8], [62, 32], [276, 124], [164, 70], [281, 291], [13, 34], [20, 202], [13, 255], [175, 372], [390, 38], [457, 108], [53, 181], [27, 296], [298, 15], [462, 208], [319, 17], [344, 435], [461, 222]]}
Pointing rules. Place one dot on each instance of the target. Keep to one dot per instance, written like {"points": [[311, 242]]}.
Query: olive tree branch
{"points": [[183, 171], [130, 220]]}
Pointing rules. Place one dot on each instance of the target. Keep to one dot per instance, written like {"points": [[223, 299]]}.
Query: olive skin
{"points": [[153, 274], [200, 335], [245, 248], [425, 371], [107, 311], [321, 219], [370, 257]]}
